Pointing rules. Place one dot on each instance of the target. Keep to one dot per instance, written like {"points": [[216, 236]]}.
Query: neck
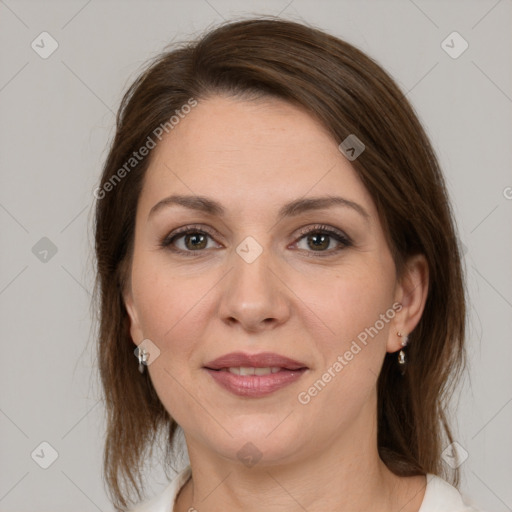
{"points": [[344, 477]]}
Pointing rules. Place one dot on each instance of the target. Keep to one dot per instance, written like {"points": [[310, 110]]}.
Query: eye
{"points": [[187, 240], [320, 238]]}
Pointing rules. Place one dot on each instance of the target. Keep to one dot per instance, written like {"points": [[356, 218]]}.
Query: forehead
{"points": [[222, 126], [266, 150]]}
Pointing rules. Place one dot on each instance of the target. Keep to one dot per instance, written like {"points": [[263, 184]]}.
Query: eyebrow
{"points": [[296, 207]]}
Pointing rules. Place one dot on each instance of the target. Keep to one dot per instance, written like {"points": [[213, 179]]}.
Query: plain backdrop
{"points": [[56, 121]]}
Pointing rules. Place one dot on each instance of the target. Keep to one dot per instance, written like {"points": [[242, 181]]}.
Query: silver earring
{"points": [[143, 358], [402, 359]]}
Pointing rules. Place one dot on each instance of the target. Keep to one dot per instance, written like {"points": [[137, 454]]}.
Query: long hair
{"points": [[349, 93]]}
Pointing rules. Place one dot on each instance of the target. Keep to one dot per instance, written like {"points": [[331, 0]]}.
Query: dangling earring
{"points": [[402, 360], [143, 358]]}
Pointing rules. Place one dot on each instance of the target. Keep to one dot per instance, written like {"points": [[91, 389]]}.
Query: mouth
{"points": [[253, 382], [256, 375]]}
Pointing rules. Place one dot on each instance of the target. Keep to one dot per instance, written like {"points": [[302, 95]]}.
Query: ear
{"points": [[411, 293], [135, 327]]}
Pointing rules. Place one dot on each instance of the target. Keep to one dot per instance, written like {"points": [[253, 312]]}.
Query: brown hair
{"points": [[350, 94]]}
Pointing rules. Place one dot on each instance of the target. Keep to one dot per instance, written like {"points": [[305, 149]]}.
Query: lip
{"points": [[255, 386], [261, 360]]}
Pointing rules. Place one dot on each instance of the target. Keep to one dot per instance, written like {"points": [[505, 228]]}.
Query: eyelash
{"points": [[318, 229]]}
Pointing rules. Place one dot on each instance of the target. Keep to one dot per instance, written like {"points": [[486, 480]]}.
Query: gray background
{"points": [[57, 117]]}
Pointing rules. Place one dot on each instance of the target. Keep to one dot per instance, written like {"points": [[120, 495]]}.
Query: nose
{"points": [[253, 294]]}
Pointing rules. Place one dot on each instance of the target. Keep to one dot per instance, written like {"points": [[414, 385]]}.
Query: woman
{"points": [[275, 241]]}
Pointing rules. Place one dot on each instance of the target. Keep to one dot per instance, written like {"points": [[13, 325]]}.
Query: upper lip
{"points": [[261, 360]]}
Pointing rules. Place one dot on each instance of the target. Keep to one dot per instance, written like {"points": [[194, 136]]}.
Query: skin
{"points": [[253, 157]]}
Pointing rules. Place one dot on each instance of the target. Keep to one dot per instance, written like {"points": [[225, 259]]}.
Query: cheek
{"points": [[352, 301], [355, 307], [164, 297], [172, 316], [352, 351], [167, 310]]}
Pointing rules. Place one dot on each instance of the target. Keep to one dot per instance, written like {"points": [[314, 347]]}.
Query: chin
{"points": [[256, 440]]}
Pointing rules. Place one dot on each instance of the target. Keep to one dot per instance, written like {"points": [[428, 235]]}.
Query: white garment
{"points": [[440, 496]]}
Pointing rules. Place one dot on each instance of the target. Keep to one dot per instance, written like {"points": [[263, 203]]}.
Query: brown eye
{"points": [[187, 240], [323, 240], [195, 241], [318, 241]]}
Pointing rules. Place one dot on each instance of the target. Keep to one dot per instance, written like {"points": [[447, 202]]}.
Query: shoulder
{"points": [[164, 502], [440, 496]]}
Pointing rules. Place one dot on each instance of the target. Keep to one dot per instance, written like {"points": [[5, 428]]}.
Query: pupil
{"points": [[321, 244], [194, 237]]}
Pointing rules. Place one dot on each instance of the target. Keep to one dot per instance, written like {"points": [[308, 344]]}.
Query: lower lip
{"points": [[255, 386]]}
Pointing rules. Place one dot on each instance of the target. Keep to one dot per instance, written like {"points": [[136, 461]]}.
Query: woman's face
{"points": [[255, 275]]}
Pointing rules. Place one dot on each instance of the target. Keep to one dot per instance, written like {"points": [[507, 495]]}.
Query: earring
{"points": [[143, 358], [402, 359], [405, 340]]}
